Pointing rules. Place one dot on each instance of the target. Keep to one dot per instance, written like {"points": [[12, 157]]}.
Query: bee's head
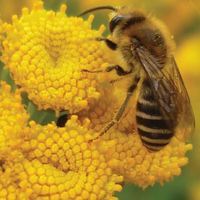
{"points": [[126, 17]]}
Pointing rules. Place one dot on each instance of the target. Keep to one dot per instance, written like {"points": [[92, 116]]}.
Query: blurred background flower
{"points": [[183, 19], [11, 7]]}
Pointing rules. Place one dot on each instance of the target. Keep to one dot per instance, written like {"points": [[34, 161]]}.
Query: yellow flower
{"points": [[45, 52], [39, 162], [81, 171]]}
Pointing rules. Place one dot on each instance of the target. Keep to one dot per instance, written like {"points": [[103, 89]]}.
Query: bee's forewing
{"points": [[169, 90]]}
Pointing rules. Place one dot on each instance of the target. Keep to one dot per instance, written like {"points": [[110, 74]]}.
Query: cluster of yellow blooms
{"points": [[45, 53], [46, 161]]}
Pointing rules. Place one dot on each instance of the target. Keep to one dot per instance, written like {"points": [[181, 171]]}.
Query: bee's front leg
{"points": [[119, 70], [110, 44]]}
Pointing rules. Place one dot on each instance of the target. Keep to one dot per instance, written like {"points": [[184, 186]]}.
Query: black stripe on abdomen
{"points": [[154, 141], [155, 132], [152, 123], [149, 109]]}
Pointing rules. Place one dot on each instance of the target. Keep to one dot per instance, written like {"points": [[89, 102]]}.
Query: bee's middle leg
{"points": [[119, 70]]}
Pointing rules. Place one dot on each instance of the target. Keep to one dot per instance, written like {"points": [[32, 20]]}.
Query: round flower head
{"points": [[46, 51], [81, 170]]}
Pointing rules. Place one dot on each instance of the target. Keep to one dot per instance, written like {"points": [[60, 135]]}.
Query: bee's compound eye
{"points": [[115, 21]]}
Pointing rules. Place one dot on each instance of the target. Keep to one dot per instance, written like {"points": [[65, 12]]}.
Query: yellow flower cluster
{"points": [[45, 52], [86, 174], [49, 162]]}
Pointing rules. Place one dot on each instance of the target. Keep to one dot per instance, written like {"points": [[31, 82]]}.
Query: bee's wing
{"points": [[187, 119], [169, 90]]}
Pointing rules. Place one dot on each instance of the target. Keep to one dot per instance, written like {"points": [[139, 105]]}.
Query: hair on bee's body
{"points": [[140, 29], [147, 47], [150, 32]]}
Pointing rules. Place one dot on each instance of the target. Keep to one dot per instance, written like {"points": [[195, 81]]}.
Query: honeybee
{"points": [[146, 46]]}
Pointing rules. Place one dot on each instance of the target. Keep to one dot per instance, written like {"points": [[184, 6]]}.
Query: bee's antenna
{"points": [[97, 8]]}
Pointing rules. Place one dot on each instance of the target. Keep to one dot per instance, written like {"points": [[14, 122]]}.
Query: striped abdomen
{"points": [[154, 131]]}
